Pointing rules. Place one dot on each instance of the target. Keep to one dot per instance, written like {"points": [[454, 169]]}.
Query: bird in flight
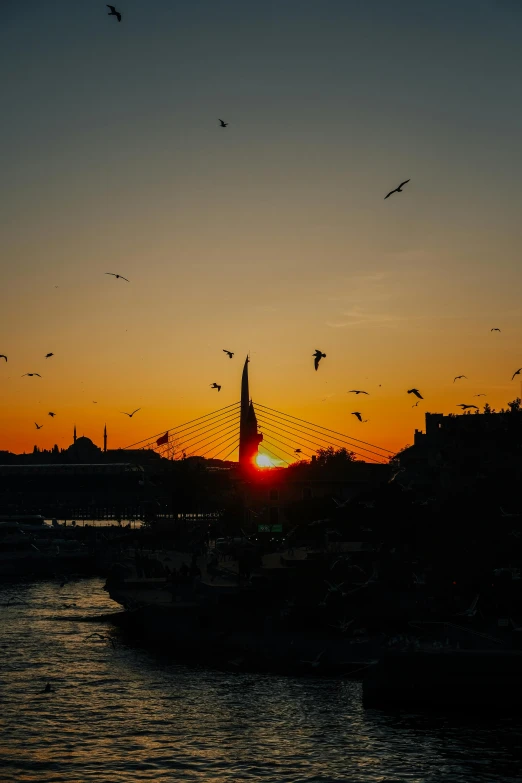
{"points": [[397, 190], [317, 357], [215, 386], [117, 276], [38, 426], [357, 391], [130, 415], [416, 392], [30, 374], [516, 373], [479, 395], [51, 414], [415, 404], [356, 413], [464, 407], [457, 377], [315, 663], [297, 451], [228, 353], [113, 12], [495, 329], [3, 356], [48, 355], [223, 124]]}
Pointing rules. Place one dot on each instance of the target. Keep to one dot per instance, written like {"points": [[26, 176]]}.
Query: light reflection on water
{"points": [[123, 714]]}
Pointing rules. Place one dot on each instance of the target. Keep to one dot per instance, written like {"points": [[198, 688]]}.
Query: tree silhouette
{"points": [[331, 457]]}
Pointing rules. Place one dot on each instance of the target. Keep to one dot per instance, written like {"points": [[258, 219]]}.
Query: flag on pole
{"points": [[163, 439]]}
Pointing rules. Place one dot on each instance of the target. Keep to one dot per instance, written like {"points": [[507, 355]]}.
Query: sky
{"points": [[271, 236]]}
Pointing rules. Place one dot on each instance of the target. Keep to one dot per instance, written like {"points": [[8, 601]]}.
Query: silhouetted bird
{"points": [[117, 276], [215, 386], [130, 415], [51, 414], [102, 638], [479, 395], [315, 663], [397, 190], [516, 373], [458, 377], [38, 426], [471, 611], [356, 413], [334, 588], [47, 688], [317, 357], [48, 355], [494, 329], [343, 625], [3, 356], [223, 124], [297, 451], [464, 407], [30, 374], [357, 391], [416, 392], [228, 353], [114, 12], [415, 404]]}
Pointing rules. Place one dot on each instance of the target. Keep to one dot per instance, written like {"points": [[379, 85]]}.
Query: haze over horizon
{"points": [[271, 236]]}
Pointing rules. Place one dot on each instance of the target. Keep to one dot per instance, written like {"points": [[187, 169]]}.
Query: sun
{"points": [[262, 461]]}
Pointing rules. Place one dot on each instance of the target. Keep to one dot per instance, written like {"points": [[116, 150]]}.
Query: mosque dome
{"points": [[84, 450]]}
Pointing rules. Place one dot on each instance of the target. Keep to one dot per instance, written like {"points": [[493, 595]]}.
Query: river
{"points": [[121, 714]]}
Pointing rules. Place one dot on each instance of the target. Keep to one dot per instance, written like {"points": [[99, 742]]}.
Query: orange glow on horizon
{"points": [[253, 239]]}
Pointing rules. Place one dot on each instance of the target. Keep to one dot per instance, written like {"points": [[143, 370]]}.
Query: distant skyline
{"points": [[270, 236]]}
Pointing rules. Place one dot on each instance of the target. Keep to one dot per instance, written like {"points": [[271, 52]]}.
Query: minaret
{"points": [[249, 438], [105, 439], [74, 435]]}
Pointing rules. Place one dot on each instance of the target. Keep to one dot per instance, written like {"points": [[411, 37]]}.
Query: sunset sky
{"points": [[270, 236]]}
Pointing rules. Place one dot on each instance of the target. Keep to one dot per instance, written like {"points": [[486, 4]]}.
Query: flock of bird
{"points": [[317, 356]]}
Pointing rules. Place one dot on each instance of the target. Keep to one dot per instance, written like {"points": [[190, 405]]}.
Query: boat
{"points": [[28, 548]]}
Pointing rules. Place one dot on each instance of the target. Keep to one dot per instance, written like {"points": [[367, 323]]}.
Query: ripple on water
{"points": [[125, 715]]}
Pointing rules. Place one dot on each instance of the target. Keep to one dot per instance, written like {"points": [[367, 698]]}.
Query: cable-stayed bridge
{"points": [[259, 434], [286, 438]]}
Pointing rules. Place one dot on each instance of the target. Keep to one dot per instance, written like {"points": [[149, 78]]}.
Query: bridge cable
{"points": [[301, 437], [381, 448], [319, 436], [151, 437], [273, 434], [206, 442], [225, 421], [199, 429], [224, 443], [230, 452], [219, 437]]}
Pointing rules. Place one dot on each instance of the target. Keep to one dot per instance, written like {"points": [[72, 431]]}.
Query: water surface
{"points": [[122, 715]]}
